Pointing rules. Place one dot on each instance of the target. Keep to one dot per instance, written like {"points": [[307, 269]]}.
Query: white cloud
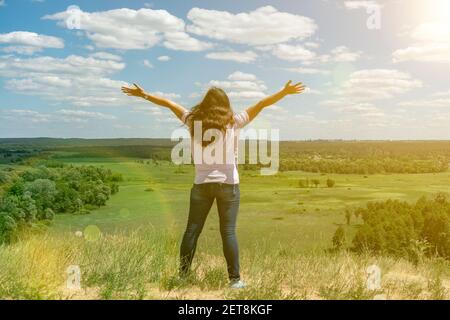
{"points": [[81, 114], [435, 52], [437, 100], [24, 42], [63, 115], [246, 95], [358, 115], [263, 26], [302, 70], [25, 50], [74, 80], [31, 39], [442, 94], [344, 54], [355, 98], [106, 56], [164, 58], [167, 95], [361, 108], [428, 103], [242, 57], [311, 44], [307, 57], [432, 44], [377, 84], [147, 109], [239, 86], [294, 53], [2, 3], [133, 29], [194, 95], [435, 31], [242, 76], [30, 115], [360, 4], [11, 66], [438, 119], [255, 86], [148, 64], [312, 91]]}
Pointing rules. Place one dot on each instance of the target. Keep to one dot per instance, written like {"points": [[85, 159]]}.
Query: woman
{"points": [[214, 181]]}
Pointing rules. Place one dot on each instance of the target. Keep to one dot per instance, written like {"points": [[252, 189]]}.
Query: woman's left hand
{"points": [[297, 88]]}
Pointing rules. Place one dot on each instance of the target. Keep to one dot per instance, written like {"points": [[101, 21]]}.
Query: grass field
{"points": [[272, 207], [284, 232]]}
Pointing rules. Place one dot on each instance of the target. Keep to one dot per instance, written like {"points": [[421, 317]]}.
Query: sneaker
{"points": [[237, 284]]}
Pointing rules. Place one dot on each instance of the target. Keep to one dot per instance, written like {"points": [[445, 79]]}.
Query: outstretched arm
{"points": [[139, 92], [288, 89]]}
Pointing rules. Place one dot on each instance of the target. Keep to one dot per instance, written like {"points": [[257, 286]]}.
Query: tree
{"points": [[66, 200], [7, 226], [4, 177], [315, 182], [394, 227], [27, 207], [48, 214], [348, 216], [436, 230], [303, 183], [114, 188], [330, 183], [339, 238], [43, 191]]}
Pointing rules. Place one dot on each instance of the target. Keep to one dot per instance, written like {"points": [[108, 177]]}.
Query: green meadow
{"points": [[272, 207], [285, 235]]}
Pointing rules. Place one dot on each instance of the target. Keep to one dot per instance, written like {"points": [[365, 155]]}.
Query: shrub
{"points": [[315, 182], [330, 183], [339, 238], [7, 226], [303, 183], [41, 192], [4, 177], [394, 227]]}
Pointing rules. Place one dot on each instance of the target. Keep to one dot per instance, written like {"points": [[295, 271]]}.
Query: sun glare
{"points": [[434, 17], [437, 9]]}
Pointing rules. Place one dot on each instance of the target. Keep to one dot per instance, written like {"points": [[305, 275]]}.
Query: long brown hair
{"points": [[214, 111]]}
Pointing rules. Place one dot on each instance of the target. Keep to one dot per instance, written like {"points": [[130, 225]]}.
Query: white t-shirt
{"points": [[225, 170]]}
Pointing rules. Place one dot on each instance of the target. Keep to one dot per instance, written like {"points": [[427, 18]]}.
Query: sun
{"points": [[437, 9], [434, 17]]}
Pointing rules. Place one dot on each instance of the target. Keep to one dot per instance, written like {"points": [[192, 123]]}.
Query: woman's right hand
{"points": [[135, 92]]}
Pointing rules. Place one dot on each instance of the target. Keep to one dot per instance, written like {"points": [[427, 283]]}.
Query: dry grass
{"points": [[143, 265]]}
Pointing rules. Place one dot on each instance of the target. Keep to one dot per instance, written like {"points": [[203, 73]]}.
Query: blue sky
{"points": [[374, 69]]}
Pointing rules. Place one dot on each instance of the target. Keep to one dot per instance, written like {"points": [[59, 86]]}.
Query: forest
{"points": [[402, 229], [345, 157], [31, 198]]}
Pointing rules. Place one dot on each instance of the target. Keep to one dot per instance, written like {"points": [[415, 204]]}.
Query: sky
{"points": [[373, 69]]}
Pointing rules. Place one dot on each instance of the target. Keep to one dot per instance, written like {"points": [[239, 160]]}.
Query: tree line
{"points": [[344, 157], [33, 197], [361, 166], [402, 229]]}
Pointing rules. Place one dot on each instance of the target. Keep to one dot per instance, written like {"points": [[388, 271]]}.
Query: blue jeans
{"points": [[202, 198]]}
